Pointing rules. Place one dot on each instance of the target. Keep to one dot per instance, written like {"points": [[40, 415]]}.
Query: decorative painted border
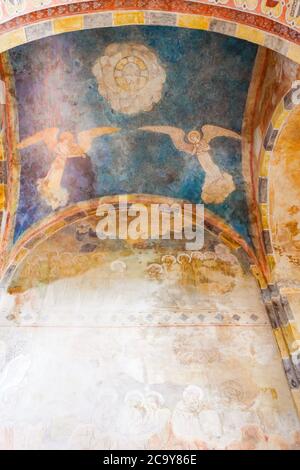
{"points": [[282, 319], [284, 12], [287, 336], [73, 17], [280, 115], [10, 162], [248, 157], [258, 142]]}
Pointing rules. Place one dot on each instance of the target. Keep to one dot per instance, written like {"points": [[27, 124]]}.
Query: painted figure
{"points": [[218, 184], [63, 146]]}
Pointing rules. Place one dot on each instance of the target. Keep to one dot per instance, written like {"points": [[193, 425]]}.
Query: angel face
{"points": [[66, 138], [168, 260], [68, 146], [194, 137], [193, 398], [155, 400], [184, 259], [155, 271]]}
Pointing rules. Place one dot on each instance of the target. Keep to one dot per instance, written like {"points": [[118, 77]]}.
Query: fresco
{"points": [[76, 249], [177, 360], [272, 79], [166, 392], [143, 344], [131, 110], [284, 212]]}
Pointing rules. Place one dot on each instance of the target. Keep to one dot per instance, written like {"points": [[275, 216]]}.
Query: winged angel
{"points": [[62, 146], [217, 184]]}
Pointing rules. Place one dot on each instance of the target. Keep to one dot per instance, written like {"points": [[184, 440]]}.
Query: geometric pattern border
{"points": [[72, 17]]}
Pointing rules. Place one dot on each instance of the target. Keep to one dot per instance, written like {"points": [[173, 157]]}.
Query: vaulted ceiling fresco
{"points": [[206, 112], [122, 111]]}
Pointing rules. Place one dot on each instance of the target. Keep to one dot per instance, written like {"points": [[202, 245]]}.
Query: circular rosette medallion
{"points": [[130, 77]]}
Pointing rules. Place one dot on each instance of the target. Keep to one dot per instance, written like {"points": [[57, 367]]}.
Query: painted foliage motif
{"points": [[131, 110]]}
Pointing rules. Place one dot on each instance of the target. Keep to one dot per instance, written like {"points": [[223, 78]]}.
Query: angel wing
{"points": [[85, 138], [210, 132], [176, 134], [49, 136]]}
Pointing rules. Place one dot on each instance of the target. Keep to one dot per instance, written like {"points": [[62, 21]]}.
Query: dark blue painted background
{"points": [[207, 81]]}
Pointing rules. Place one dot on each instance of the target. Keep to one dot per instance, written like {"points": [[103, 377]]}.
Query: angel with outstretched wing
{"points": [[217, 184], [63, 146]]}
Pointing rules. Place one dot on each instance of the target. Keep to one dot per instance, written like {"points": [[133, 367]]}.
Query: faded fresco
{"points": [[285, 211], [154, 388], [76, 249], [172, 356], [131, 110], [140, 343]]}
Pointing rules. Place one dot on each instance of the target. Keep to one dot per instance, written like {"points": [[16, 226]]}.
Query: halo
{"points": [[194, 137]]}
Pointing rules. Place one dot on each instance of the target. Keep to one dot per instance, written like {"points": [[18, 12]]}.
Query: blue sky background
{"points": [[207, 81]]}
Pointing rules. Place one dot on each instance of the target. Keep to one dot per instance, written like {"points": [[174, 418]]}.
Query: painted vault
{"points": [[159, 85], [175, 347]]}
